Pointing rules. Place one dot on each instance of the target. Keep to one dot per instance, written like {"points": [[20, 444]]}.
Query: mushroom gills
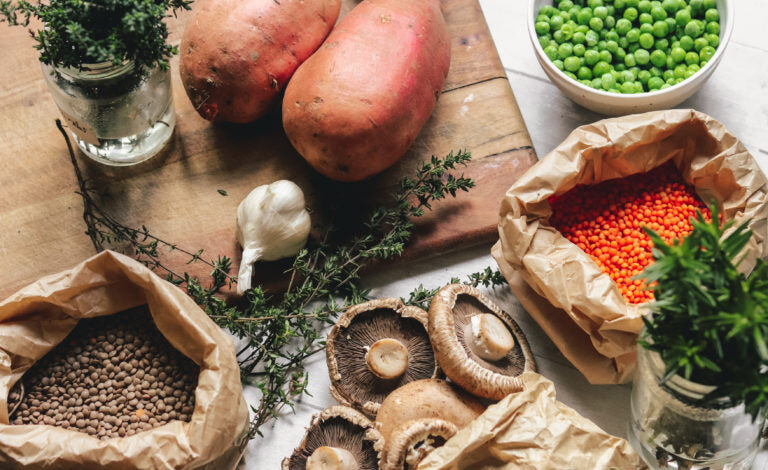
{"points": [[387, 358], [489, 337], [331, 458]]}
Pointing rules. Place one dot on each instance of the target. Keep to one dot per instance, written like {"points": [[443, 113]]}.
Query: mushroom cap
{"points": [[340, 427], [357, 329], [450, 312], [427, 399], [414, 440]]}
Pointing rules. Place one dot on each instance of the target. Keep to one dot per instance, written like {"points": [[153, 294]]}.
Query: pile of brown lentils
{"points": [[112, 376]]}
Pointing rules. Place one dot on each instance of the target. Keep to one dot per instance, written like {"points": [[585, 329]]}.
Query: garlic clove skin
{"points": [[272, 223]]}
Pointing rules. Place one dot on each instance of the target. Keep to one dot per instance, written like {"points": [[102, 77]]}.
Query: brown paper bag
{"points": [[532, 430], [37, 318], [577, 305]]}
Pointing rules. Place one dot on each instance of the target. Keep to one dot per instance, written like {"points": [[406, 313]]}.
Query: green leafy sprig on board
{"points": [[78, 32], [278, 333], [710, 321]]}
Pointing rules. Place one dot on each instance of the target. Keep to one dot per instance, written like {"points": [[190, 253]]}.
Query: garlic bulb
{"points": [[272, 223]]}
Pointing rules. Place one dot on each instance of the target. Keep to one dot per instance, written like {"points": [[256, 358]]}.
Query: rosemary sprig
{"points": [[279, 333]]}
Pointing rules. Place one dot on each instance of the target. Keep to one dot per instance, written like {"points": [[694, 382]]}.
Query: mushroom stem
{"points": [[490, 338], [387, 358], [331, 458]]}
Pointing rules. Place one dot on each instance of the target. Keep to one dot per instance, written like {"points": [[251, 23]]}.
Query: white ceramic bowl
{"points": [[616, 104]]}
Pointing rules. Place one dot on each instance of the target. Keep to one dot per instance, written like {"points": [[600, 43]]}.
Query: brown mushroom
{"points": [[419, 417], [478, 346], [340, 438], [376, 347]]}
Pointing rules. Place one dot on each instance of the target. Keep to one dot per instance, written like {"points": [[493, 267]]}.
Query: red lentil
{"points": [[606, 219]]}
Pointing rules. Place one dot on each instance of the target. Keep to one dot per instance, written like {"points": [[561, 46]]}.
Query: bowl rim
{"points": [[725, 36]]}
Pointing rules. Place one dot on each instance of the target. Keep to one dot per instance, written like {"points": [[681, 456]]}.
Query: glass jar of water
{"points": [[117, 114]]}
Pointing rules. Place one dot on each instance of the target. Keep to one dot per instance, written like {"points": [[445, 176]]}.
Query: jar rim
{"points": [[97, 71]]}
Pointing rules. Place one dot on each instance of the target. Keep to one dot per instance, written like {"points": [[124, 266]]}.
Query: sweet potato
{"points": [[356, 106], [237, 55]]}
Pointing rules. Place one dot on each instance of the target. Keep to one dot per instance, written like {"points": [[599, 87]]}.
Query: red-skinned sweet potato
{"points": [[356, 106], [237, 55]]}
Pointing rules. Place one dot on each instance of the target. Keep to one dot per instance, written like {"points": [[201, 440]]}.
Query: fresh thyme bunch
{"points": [[710, 321], [278, 333], [78, 32]]}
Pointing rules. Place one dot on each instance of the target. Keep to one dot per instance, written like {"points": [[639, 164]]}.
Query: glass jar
{"points": [[670, 430], [116, 114]]}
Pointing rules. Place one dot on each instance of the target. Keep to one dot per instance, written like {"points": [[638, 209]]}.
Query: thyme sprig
{"points": [[78, 32], [710, 321], [278, 333]]}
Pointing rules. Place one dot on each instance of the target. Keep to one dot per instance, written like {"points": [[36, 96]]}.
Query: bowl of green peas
{"points": [[620, 57]]}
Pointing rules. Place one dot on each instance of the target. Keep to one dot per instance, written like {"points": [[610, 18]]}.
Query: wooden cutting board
{"points": [[176, 194]]}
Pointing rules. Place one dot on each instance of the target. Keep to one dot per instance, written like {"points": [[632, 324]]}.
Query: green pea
{"points": [[671, 62], [595, 4], [706, 53], [697, 7], [597, 83], [671, 5], [662, 44], [579, 50], [655, 72], [611, 10], [646, 41], [623, 42], [629, 60], [669, 73], [633, 35], [680, 71], [559, 64], [566, 15], [620, 67], [548, 10], [644, 6], [644, 76], [619, 4], [665, 86], [591, 57], [551, 51], [660, 29], [572, 63], [713, 39], [584, 15], [693, 29], [584, 73], [570, 75], [601, 45], [608, 81], [596, 24], [712, 15], [633, 47], [646, 28], [630, 14], [565, 5], [658, 58], [654, 83], [671, 24], [568, 29], [592, 38], [565, 50], [633, 3], [579, 37], [686, 42], [600, 12], [700, 43], [694, 68], [634, 71], [574, 10], [582, 29], [674, 44], [601, 68], [542, 27], [682, 17], [620, 54], [623, 26], [677, 54], [559, 37], [713, 27], [609, 21], [612, 36], [612, 46], [606, 56], [708, 4], [628, 87], [638, 87], [642, 57], [658, 13], [618, 76], [542, 18]]}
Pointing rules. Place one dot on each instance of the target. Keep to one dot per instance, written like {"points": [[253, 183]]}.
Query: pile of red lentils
{"points": [[606, 219]]}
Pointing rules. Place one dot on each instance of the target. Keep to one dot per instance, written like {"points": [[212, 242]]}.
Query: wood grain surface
{"points": [[176, 193]]}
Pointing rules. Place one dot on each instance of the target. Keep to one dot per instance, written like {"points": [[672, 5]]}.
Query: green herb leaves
{"points": [[710, 322], [80, 32]]}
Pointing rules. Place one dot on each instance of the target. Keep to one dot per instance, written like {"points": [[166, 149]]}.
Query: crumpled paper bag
{"points": [[37, 318], [531, 430], [577, 305]]}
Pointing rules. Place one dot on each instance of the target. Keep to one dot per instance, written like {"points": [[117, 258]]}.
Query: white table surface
{"points": [[736, 95]]}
